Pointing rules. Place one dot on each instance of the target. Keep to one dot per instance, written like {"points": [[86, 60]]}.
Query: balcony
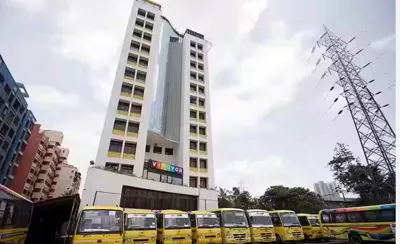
{"points": [[193, 169], [203, 152], [132, 134], [122, 112], [128, 156], [118, 132], [114, 154], [203, 170], [193, 150]]}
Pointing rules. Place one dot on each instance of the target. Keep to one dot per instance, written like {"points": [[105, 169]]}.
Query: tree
{"points": [[224, 200], [69, 192], [364, 180], [235, 199], [298, 199]]}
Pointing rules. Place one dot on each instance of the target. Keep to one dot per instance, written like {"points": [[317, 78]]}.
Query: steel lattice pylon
{"points": [[377, 138]]}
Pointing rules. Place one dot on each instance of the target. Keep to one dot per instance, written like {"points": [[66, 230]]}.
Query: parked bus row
{"points": [[109, 224]]}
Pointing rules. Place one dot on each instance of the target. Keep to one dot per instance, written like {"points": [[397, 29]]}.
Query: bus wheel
{"points": [[355, 239], [278, 239]]}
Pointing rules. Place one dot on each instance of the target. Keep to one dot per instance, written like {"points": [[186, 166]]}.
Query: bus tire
{"points": [[355, 239], [278, 239], [306, 238]]}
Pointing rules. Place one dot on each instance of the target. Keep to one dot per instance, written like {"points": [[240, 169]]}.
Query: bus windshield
{"points": [[140, 222], [289, 219], [260, 219], [234, 219], [207, 221], [177, 221], [313, 221], [99, 221]]}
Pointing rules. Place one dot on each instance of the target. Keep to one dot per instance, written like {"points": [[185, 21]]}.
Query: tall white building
{"points": [[326, 190], [155, 150]]}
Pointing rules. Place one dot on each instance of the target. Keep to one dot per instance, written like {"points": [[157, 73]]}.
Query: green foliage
{"points": [[276, 197], [364, 180]]}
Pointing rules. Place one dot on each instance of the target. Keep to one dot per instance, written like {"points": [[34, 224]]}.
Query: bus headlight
{"points": [[287, 234], [128, 240], [166, 238], [218, 235], [153, 238], [189, 237], [200, 236]]}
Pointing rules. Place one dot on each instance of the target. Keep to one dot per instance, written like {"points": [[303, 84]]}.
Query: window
{"points": [[193, 162], [16, 121], [139, 22], [123, 106], [119, 125], [199, 46], [202, 116], [147, 148], [11, 133], [132, 58], [201, 90], [193, 114], [203, 163], [147, 36], [133, 127], [193, 181], [200, 56], [387, 215], [192, 44], [141, 76], [193, 145], [354, 217], [202, 130], [126, 169], [148, 26], [340, 217], [143, 62], [5, 146], [10, 116], [135, 45], [141, 12], [136, 109], [4, 129], [192, 54], [145, 48], [130, 73], [157, 149], [202, 102], [201, 78], [193, 65], [139, 91], [115, 146], [150, 15], [193, 76], [126, 88], [16, 105], [193, 100], [303, 221], [203, 146], [130, 148], [137, 33], [203, 182], [200, 66], [193, 87], [193, 129], [169, 151], [275, 220]]}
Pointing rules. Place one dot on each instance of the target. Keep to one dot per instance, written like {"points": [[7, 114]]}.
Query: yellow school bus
{"points": [[359, 224], [205, 227], [173, 226], [140, 226], [261, 227], [15, 215], [100, 224], [311, 227], [234, 225], [287, 226]]}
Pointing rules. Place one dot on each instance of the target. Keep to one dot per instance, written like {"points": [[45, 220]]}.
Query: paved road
{"points": [[330, 242]]}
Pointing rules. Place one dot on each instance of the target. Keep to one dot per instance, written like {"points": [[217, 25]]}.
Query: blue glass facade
{"points": [[16, 122]]}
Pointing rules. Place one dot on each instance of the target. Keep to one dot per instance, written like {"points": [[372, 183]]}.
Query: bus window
{"points": [[192, 220], [340, 218], [387, 216], [354, 217], [275, 220], [370, 216], [303, 221], [325, 218]]}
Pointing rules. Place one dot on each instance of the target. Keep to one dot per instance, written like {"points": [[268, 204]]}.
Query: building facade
{"points": [[156, 142], [68, 180], [40, 166], [327, 191], [16, 122]]}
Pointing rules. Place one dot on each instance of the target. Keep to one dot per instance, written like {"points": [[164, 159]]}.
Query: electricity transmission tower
{"points": [[377, 138]]}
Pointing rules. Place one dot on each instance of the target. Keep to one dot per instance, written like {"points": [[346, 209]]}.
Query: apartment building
{"points": [[16, 122], [327, 190], [67, 181], [155, 149]]}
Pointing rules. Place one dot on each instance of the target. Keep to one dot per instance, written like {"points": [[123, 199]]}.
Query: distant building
{"points": [[40, 166], [16, 121], [327, 190], [68, 180]]}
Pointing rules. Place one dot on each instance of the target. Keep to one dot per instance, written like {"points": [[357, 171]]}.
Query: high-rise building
{"points": [[155, 149], [16, 122], [326, 190], [41, 166]]}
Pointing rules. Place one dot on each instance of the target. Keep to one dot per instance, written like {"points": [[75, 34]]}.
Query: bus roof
{"points": [[281, 211], [172, 211], [102, 208], [360, 209], [226, 209], [307, 215], [200, 212], [138, 211], [8, 190], [256, 210]]}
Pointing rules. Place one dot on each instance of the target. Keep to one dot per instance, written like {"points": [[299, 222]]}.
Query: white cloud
{"points": [[51, 98], [30, 5], [383, 42]]}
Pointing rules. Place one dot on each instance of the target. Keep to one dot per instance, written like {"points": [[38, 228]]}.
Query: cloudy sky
{"points": [[270, 113]]}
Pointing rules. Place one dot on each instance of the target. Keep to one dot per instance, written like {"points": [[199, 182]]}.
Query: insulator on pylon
{"points": [[341, 111], [332, 88], [336, 99], [379, 92], [366, 65], [359, 51], [385, 105], [351, 40], [371, 81]]}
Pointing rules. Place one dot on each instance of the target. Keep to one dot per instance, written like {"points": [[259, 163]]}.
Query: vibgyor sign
{"points": [[166, 167]]}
